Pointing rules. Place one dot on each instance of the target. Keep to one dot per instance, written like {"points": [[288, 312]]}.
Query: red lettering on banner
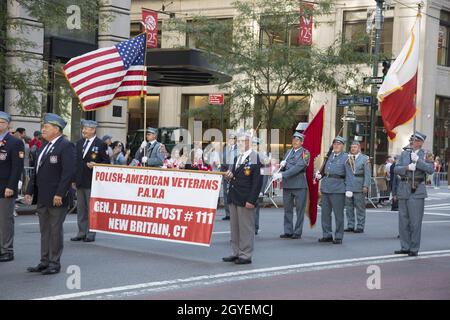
{"points": [[151, 220]]}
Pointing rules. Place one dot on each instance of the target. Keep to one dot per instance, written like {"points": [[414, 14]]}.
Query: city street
{"points": [[116, 267]]}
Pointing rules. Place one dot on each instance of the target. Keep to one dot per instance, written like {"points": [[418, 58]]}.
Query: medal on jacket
{"points": [[247, 170], [94, 153]]}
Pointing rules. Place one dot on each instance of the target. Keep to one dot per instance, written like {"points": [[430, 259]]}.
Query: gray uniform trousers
{"points": [[289, 195], [410, 217], [358, 202], [51, 220], [83, 199], [333, 202], [7, 225], [242, 227]]}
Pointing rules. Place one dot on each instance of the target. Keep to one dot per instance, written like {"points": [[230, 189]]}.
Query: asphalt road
{"points": [[117, 267]]}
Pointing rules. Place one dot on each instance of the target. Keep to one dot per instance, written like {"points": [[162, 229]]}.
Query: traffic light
{"points": [[386, 66]]}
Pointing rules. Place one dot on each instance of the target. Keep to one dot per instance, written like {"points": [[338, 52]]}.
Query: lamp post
{"points": [[373, 111]]}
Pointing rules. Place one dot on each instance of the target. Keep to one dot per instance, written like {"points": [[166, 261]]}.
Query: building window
{"points": [[355, 29], [441, 141], [444, 40], [136, 29], [136, 113], [196, 108], [197, 31], [361, 128], [290, 110], [278, 33]]}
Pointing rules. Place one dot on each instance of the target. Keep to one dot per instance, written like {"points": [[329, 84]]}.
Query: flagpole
{"points": [[144, 96], [413, 186]]}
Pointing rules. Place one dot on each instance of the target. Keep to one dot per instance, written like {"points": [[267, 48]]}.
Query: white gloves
{"points": [[144, 160], [412, 167], [414, 157], [318, 176], [348, 194], [143, 144], [283, 163], [277, 176]]}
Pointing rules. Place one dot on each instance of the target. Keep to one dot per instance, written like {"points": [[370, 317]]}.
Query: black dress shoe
{"points": [[286, 236], [256, 232], [358, 231], [38, 268], [337, 241], [77, 238], [401, 252], [6, 257], [226, 218], [349, 230], [326, 240], [413, 254], [88, 239], [296, 236], [50, 270], [230, 259], [243, 261]]}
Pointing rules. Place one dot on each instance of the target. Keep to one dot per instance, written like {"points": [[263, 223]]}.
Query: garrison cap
{"points": [[89, 123], [54, 119], [5, 116]]}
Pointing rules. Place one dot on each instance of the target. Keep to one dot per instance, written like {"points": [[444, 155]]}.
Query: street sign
{"points": [[216, 98], [373, 80], [354, 101]]}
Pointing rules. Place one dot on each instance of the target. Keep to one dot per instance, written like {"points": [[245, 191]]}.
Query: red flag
{"points": [[306, 24], [150, 20], [313, 143]]}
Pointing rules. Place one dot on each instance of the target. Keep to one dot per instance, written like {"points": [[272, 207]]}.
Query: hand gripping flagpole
{"points": [[279, 169]]}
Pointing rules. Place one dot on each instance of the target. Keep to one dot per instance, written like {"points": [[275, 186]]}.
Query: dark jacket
{"points": [[245, 188], [11, 163], [96, 153], [55, 174]]}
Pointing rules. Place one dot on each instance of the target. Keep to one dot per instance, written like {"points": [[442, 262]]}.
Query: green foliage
{"points": [[32, 86]]}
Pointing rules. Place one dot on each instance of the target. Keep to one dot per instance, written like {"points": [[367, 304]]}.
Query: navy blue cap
{"points": [[5, 116], [55, 120], [89, 123]]}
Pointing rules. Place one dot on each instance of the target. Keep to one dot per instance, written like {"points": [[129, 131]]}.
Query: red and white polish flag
{"points": [[397, 94]]}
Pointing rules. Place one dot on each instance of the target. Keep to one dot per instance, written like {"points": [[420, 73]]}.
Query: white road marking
{"points": [[426, 213], [220, 232], [35, 223], [437, 221], [145, 288]]}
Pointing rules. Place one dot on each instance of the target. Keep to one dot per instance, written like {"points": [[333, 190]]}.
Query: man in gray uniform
{"points": [[412, 169], [152, 157], [294, 186], [360, 165], [335, 187]]}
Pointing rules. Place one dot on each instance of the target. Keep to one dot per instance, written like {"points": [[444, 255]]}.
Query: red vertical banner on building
{"points": [[150, 20], [306, 24]]}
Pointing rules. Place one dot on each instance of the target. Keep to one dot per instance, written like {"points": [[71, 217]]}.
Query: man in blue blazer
{"points": [[52, 178], [11, 168]]}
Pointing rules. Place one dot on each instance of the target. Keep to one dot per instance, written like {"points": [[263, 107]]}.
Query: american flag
{"points": [[100, 76]]}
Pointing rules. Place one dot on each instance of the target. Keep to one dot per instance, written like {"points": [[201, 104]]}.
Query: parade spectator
{"points": [[394, 185], [120, 156], [108, 140], [437, 171], [382, 183]]}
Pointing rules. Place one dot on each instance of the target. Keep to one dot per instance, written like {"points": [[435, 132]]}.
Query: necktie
{"points": [[44, 153], [84, 146]]}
